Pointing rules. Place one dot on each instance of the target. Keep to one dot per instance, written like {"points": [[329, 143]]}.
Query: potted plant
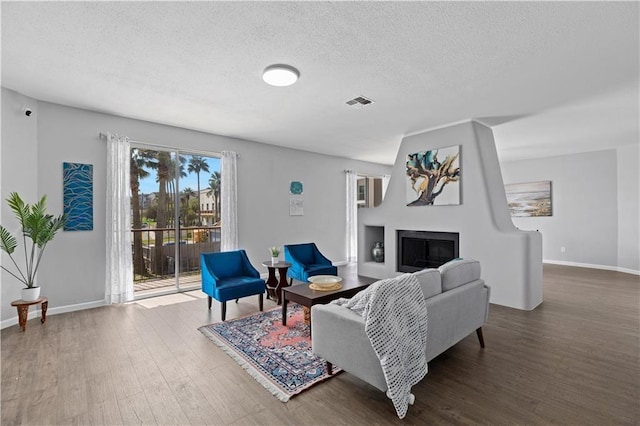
{"points": [[37, 226], [275, 252]]}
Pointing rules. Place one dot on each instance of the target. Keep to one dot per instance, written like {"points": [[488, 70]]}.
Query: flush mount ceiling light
{"points": [[280, 75]]}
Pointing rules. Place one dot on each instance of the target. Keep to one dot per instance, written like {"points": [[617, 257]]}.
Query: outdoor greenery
{"points": [[155, 211], [198, 164], [215, 182]]}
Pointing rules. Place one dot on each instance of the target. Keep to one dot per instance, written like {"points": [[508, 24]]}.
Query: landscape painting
{"points": [[433, 177], [529, 199]]}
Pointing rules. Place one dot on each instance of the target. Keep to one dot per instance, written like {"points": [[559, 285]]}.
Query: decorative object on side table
{"points": [[40, 227], [377, 252], [275, 252]]}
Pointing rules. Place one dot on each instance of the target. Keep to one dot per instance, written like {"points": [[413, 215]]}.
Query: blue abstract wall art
{"points": [[77, 182]]}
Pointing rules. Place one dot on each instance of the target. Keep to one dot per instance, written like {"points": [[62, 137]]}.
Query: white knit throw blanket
{"points": [[395, 318]]}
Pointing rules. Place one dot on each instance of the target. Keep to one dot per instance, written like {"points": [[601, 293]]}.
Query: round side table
{"points": [[273, 284]]}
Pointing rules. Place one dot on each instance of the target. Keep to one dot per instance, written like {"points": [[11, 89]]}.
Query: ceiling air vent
{"points": [[359, 102]]}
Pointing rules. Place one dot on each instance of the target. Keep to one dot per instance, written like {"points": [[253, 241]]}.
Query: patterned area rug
{"points": [[278, 357]]}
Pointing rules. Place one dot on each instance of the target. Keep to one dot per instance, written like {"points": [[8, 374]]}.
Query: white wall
{"points": [[511, 260], [594, 203], [73, 270], [629, 207], [19, 174]]}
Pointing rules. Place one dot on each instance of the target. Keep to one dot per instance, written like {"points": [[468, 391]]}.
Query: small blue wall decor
{"points": [[77, 182], [296, 187]]}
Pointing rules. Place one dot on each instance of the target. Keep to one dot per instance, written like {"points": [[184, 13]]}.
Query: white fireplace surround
{"points": [[511, 259]]}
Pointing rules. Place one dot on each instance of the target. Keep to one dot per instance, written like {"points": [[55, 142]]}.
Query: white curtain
{"points": [[119, 276], [385, 184], [352, 216], [229, 201]]}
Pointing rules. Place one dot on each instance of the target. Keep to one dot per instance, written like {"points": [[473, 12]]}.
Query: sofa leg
{"points": [[209, 297], [329, 368], [480, 337], [224, 310], [260, 301]]}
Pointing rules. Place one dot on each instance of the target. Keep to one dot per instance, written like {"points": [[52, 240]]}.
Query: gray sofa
{"points": [[457, 302]]}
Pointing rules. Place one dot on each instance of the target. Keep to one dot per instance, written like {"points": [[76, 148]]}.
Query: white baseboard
{"points": [[35, 313], [592, 266]]}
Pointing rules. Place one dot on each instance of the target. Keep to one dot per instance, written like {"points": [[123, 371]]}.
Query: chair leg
{"points": [[329, 368], [290, 281], [237, 300], [209, 298], [480, 337], [224, 310], [260, 301]]}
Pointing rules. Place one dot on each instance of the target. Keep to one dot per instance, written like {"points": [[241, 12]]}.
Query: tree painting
{"points": [[429, 173]]}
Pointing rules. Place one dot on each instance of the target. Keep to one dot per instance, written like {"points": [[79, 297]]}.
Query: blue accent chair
{"points": [[229, 275], [306, 261]]}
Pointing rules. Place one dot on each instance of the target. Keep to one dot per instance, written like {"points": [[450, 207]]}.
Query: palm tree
{"points": [[171, 185], [139, 159], [187, 193], [214, 191], [198, 164], [161, 162]]}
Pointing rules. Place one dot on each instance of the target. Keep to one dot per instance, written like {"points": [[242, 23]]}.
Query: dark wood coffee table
{"points": [[307, 297]]}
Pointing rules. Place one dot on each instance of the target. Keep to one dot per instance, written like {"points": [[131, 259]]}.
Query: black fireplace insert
{"points": [[425, 249]]}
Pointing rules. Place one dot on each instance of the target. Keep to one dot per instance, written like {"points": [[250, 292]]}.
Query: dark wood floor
{"points": [[573, 360]]}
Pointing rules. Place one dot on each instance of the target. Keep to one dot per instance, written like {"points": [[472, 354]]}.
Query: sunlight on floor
{"points": [[170, 299]]}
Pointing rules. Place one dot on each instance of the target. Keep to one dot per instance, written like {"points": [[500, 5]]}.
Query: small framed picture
{"points": [[296, 207]]}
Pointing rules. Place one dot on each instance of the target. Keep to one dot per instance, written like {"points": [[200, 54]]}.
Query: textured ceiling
{"points": [[545, 75]]}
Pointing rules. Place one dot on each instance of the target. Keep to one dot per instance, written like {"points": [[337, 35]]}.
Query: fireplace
{"points": [[425, 249]]}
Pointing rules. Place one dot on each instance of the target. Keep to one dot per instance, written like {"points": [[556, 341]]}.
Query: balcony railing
{"points": [[153, 262]]}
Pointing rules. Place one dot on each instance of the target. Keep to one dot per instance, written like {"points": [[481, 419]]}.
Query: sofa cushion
{"points": [[430, 282], [458, 272]]}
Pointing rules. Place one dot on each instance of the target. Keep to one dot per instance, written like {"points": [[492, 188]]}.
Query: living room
{"points": [[595, 186]]}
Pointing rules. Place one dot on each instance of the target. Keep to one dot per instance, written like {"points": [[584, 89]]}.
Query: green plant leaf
{"points": [[8, 242], [38, 226], [19, 208], [48, 229]]}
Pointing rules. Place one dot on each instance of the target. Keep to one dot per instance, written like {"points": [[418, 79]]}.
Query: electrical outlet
{"points": [[563, 249]]}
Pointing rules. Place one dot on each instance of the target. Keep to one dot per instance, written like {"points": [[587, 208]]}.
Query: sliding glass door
{"points": [[175, 205]]}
